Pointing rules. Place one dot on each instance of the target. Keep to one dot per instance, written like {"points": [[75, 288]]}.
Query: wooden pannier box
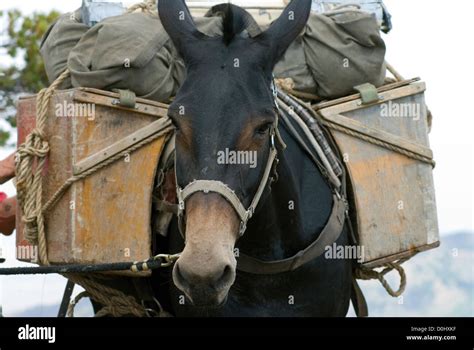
{"points": [[105, 217], [393, 194]]}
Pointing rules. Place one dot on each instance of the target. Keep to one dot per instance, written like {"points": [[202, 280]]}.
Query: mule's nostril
{"points": [[179, 277], [226, 277]]}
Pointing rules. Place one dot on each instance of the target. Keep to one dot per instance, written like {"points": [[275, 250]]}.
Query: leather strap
{"points": [[328, 235], [358, 300], [167, 207]]}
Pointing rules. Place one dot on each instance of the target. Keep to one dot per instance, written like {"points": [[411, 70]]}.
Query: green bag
{"points": [[334, 53], [131, 51], [58, 41]]}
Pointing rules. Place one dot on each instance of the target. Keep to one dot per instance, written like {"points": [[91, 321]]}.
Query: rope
{"points": [[371, 274], [167, 127], [288, 85], [74, 302], [394, 72], [380, 143], [115, 303], [146, 6], [29, 182]]}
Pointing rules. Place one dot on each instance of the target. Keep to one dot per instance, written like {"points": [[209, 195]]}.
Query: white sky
{"points": [[431, 40]]}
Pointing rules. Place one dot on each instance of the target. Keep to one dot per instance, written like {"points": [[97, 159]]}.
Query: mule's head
{"points": [[224, 106]]}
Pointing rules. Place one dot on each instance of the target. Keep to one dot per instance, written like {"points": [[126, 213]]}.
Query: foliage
{"points": [[20, 39]]}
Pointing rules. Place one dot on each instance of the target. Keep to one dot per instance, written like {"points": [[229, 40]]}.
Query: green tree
{"points": [[24, 72]]}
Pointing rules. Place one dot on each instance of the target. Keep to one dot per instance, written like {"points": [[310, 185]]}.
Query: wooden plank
{"points": [[119, 146], [111, 101], [379, 135], [115, 95], [394, 198], [326, 104], [394, 257], [390, 95]]}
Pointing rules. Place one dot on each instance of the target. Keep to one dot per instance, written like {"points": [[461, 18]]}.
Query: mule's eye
{"points": [[262, 130]]}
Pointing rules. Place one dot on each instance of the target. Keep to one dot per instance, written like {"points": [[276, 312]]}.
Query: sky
{"points": [[429, 40]]}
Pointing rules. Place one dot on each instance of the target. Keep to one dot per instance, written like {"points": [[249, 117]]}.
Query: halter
{"points": [[214, 186], [329, 234]]}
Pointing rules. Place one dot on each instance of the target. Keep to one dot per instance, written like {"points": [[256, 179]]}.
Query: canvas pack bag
{"points": [[58, 41], [335, 52], [131, 51]]}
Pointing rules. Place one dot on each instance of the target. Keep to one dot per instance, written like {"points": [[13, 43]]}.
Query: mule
{"points": [[226, 103]]}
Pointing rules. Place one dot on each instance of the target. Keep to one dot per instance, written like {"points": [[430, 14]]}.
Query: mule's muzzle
{"points": [[204, 288]]}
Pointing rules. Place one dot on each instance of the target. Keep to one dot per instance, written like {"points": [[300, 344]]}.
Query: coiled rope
{"points": [[371, 274]]}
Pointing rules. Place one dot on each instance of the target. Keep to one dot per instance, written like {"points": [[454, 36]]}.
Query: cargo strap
{"points": [[368, 93], [127, 98]]}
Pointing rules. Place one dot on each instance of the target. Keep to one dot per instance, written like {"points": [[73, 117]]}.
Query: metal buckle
{"points": [[169, 259], [272, 139]]}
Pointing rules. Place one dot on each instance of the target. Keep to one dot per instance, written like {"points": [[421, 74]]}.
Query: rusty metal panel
{"points": [[107, 216], [394, 195]]}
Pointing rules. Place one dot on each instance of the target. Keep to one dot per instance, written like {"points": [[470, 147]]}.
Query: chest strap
{"points": [[327, 237]]}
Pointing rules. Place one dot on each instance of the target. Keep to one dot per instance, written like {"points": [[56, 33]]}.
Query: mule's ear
{"points": [[178, 23], [287, 27]]}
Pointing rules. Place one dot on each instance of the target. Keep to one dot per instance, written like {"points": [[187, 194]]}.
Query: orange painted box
{"points": [[105, 217]]}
